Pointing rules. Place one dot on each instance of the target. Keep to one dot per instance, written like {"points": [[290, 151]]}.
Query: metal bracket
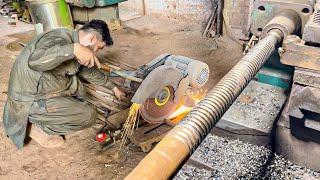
{"points": [[295, 53], [264, 10]]}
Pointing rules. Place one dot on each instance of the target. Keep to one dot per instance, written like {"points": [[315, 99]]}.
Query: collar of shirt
{"points": [[75, 36]]}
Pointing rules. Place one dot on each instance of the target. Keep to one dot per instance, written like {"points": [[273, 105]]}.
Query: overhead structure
{"points": [[86, 10]]}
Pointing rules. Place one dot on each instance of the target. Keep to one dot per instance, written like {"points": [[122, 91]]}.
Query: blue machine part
{"points": [[274, 73], [102, 3]]}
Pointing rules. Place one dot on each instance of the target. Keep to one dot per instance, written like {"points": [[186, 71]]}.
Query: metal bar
{"points": [[109, 104], [211, 20], [219, 18], [100, 88], [111, 98], [118, 71], [101, 97], [126, 76], [107, 92], [98, 103]]}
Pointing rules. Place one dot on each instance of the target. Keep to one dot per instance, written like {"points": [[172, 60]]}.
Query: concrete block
{"points": [[252, 115]]}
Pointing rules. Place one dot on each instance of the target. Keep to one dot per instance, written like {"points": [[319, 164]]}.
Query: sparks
{"points": [[186, 105], [131, 123]]}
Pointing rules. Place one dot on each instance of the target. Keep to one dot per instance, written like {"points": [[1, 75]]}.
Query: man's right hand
{"points": [[85, 56]]}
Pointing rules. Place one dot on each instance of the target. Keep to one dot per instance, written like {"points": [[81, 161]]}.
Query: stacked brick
{"points": [[237, 17]]}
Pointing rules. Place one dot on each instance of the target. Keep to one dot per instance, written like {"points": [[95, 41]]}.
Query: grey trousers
{"points": [[62, 115]]}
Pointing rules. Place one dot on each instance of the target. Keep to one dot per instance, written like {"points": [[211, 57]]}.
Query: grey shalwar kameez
{"points": [[45, 87]]}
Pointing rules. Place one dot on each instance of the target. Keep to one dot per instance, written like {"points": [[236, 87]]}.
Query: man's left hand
{"points": [[118, 93]]}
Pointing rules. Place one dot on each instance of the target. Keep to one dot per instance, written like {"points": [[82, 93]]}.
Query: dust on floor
{"points": [[80, 157]]}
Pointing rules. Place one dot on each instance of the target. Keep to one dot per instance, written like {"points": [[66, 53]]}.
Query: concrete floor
{"points": [[6, 29], [80, 157]]}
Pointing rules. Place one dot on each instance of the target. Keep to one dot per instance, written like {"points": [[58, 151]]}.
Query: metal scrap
{"points": [[220, 158], [105, 100]]}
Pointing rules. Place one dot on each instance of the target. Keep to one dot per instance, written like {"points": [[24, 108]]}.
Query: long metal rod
{"points": [[179, 143]]}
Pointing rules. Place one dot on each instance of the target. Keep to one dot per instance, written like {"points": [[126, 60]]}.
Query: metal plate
{"points": [[296, 53], [264, 10], [312, 29]]}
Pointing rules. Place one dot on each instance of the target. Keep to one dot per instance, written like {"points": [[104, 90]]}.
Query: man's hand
{"points": [[118, 93], [85, 56]]}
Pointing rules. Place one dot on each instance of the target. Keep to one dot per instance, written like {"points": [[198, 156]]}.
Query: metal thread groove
{"points": [[198, 123], [316, 18]]}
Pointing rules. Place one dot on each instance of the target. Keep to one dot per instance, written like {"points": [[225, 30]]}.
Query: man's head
{"points": [[95, 35]]}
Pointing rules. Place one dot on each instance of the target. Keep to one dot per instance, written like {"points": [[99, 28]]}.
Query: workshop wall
{"points": [[236, 12], [191, 10], [237, 18], [194, 11]]}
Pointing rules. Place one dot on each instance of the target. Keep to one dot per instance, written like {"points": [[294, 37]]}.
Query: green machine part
{"points": [[94, 3], [64, 12], [274, 77], [50, 14], [274, 73], [106, 10]]}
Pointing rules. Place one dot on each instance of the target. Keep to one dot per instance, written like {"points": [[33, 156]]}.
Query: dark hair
{"points": [[101, 27]]}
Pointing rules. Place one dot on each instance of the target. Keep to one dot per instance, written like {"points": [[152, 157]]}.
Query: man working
{"points": [[45, 90]]}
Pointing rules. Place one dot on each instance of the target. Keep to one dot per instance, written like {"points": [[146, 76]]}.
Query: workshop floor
{"points": [[80, 157]]}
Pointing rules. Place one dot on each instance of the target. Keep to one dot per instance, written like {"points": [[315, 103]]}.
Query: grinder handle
{"points": [[106, 67]]}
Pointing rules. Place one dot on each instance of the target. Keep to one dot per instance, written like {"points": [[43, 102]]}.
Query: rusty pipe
{"points": [[180, 142]]}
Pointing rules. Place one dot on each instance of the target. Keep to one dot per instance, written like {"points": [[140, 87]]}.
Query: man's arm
{"points": [[95, 76], [50, 52]]}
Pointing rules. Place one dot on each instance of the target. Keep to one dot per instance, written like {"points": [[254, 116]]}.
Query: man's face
{"points": [[92, 42]]}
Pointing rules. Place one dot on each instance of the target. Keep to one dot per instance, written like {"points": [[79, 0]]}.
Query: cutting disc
{"points": [[156, 110]]}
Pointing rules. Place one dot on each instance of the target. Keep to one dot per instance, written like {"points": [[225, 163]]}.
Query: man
{"points": [[45, 89]]}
